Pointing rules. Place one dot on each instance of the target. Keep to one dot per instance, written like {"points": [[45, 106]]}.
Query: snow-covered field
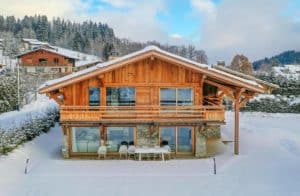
{"points": [[269, 164]]}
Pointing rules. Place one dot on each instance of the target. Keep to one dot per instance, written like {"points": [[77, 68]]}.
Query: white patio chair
{"points": [[123, 151], [131, 151], [102, 152], [167, 147]]}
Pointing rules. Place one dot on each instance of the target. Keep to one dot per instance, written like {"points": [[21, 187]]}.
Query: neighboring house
{"points": [[148, 97], [43, 57]]}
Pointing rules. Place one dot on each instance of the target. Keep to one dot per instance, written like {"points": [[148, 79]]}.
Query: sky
{"points": [[223, 28]]}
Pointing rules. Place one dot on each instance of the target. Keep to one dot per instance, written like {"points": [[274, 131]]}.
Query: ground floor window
{"points": [[85, 139], [180, 139], [118, 135]]}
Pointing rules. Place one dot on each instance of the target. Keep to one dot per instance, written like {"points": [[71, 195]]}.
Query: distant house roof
{"points": [[81, 59], [34, 41], [149, 51]]}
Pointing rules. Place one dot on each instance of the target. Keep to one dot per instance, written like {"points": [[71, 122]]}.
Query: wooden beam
{"points": [[245, 100], [227, 90], [237, 95], [55, 97]]}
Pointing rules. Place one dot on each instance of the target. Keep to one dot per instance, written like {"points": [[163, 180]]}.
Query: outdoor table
{"points": [[161, 151]]}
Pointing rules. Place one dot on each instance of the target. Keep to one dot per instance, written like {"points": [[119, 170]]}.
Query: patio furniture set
{"points": [[129, 151]]}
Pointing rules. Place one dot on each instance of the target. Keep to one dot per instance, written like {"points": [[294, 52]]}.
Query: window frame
{"points": [[71, 135], [56, 60], [123, 126], [176, 89], [89, 95], [176, 152], [118, 87]]}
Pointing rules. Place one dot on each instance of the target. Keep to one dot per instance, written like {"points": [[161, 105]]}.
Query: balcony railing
{"points": [[141, 113]]}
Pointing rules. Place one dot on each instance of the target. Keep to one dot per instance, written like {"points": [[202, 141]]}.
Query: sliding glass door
{"points": [[168, 134], [184, 139], [117, 136], [180, 139], [85, 139]]}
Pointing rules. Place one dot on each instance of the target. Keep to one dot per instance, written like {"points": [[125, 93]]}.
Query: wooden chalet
{"points": [[52, 59], [147, 97]]}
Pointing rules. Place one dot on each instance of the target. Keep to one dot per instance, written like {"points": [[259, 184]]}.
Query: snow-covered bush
{"points": [[273, 104], [23, 126], [286, 99], [9, 92]]}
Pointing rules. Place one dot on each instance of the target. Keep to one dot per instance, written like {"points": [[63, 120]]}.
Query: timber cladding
{"points": [[146, 75]]}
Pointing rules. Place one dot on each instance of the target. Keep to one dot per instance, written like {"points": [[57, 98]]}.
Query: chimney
{"points": [[221, 63], [113, 55]]}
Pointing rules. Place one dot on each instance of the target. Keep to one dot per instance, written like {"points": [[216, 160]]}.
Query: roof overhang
{"points": [[156, 53]]}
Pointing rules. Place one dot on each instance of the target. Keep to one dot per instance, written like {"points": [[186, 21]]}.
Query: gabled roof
{"points": [[149, 51], [81, 59], [55, 51]]}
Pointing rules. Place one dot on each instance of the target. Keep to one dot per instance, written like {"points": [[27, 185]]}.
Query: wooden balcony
{"points": [[132, 114]]}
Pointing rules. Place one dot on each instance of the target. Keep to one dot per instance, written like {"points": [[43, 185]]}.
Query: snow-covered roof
{"points": [[80, 58], [143, 51], [87, 62], [34, 41]]}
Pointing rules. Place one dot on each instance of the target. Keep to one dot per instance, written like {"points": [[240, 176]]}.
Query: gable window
{"points": [[120, 96], [43, 60], [94, 96], [56, 60], [176, 96]]}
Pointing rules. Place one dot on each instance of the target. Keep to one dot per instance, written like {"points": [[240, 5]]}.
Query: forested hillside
{"points": [[285, 58], [90, 37]]}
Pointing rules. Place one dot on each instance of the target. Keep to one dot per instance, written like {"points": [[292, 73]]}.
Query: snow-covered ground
{"points": [[268, 164]]}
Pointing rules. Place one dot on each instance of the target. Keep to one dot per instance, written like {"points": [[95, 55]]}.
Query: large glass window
{"points": [[85, 139], [167, 96], [176, 96], [168, 134], [123, 96], [184, 139], [94, 96], [180, 139], [118, 135]]}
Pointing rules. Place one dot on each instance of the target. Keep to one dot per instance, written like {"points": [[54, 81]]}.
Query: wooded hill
{"points": [[287, 57], [89, 37]]}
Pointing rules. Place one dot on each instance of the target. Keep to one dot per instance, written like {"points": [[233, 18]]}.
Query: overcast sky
{"points": [[223, 28]]}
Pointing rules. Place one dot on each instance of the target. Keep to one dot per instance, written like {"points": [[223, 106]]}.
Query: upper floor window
{"points": [[176, 96], [56, 60], [120, 96], [43, 60], [94, 96]]}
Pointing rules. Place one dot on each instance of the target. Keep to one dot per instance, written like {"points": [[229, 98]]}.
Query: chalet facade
{"points": [[145, 98], [45, 58]]}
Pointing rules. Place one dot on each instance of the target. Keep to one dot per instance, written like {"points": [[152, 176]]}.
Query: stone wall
{"points": [[202, 134], [64, 148], [144, 137]]}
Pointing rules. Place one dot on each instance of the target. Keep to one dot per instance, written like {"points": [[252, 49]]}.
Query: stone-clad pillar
{"points": [[144, 137], [200, 148], [203, 133], [65, 143]]}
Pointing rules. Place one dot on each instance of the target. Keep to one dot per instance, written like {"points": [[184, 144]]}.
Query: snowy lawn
{"points": [[269, 164]]}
